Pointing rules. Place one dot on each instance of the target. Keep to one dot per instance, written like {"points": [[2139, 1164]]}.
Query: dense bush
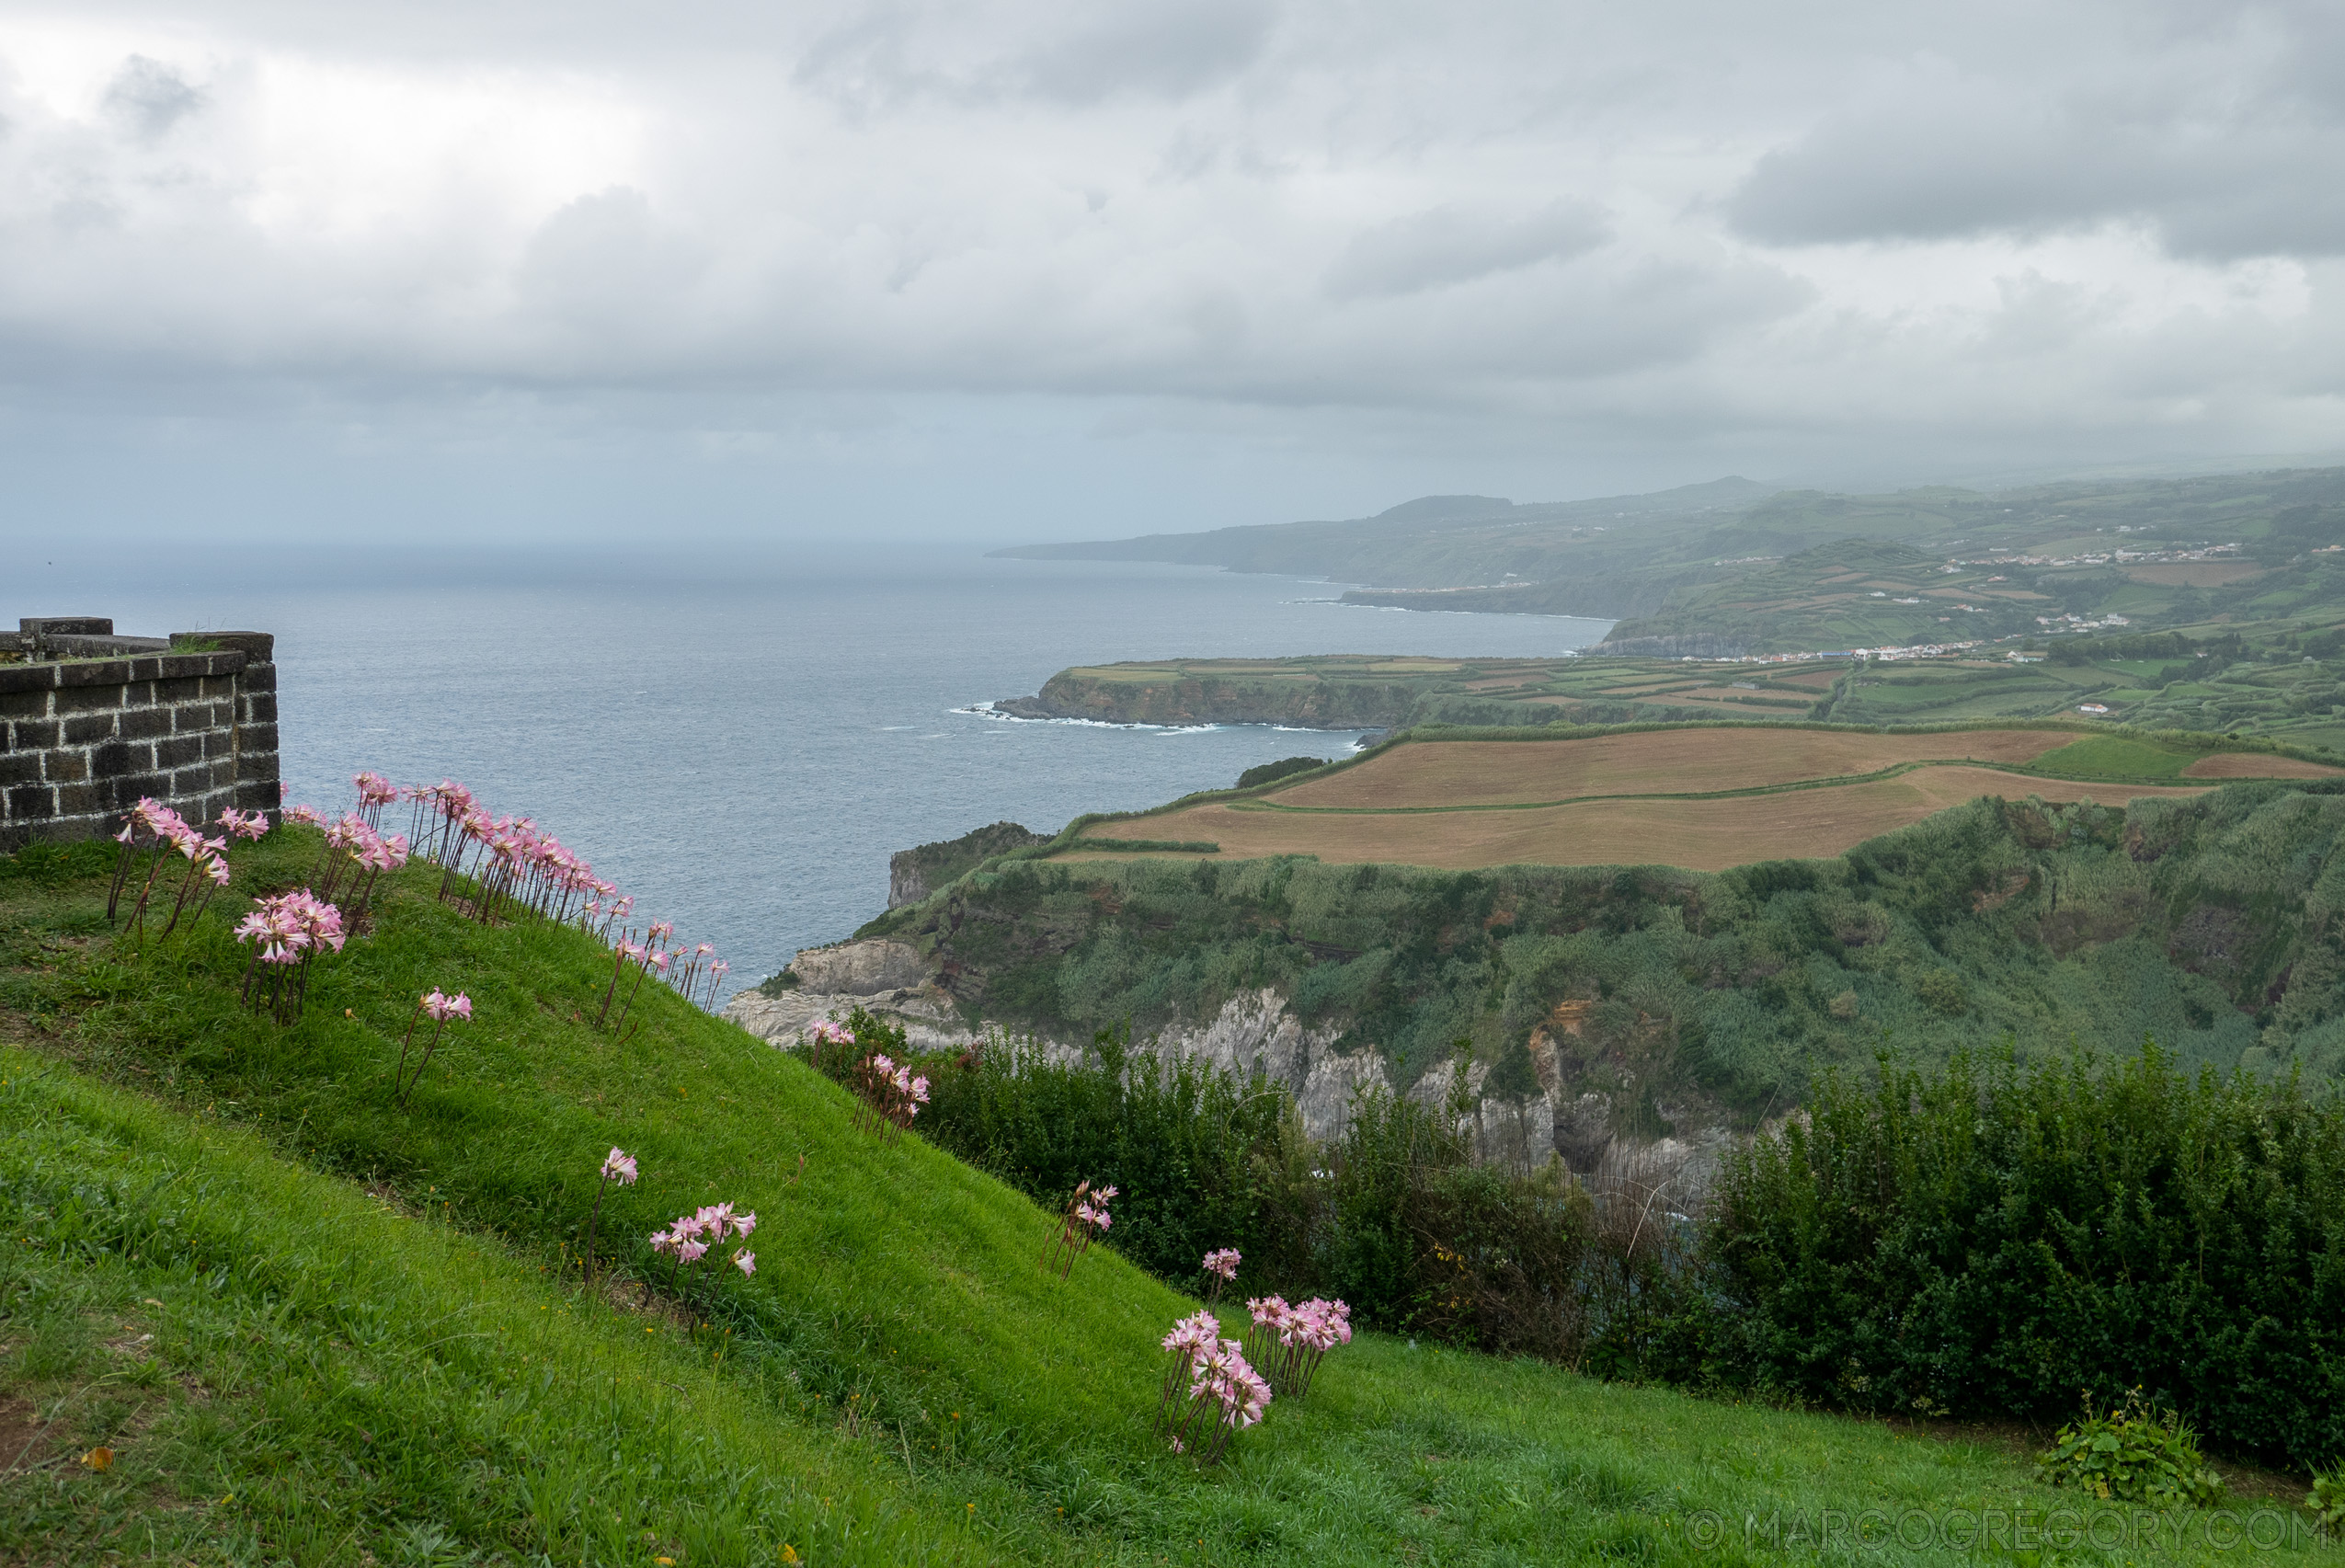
{"points": [[1993, 1239], [1987, 1239], [1394, 1216]]}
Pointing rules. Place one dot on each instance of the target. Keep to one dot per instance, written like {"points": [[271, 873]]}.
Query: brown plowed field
{"points": [[2250, 765], [1701, 835], [1661, 761]]}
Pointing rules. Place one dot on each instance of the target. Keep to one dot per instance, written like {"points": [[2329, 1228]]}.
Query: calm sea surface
{"points": [[741, 743]]}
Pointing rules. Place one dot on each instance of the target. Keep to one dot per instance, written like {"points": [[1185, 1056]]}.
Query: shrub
{"points": [[2132, 1454], [1285, 768], [1974, 1240]]}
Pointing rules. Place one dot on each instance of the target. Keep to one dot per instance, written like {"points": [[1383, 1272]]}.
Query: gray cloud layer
{"points": [[1752, 236]]}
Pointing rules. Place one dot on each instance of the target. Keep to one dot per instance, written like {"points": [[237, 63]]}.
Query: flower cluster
{"points": [[154, 829], [1211, 1392], [288, 931], [1220, 1268], [890, 1095], [1288, 1342], [439, 1007], [498, 868], [375, 792], [353, 857], [1085, 1220], [688, 1240]]}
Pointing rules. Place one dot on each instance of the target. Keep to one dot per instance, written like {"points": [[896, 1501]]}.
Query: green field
{"points": [[312, 1326]]}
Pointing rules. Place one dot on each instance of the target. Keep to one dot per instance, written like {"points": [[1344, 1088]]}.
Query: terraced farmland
{"points": [[1702, 799]]}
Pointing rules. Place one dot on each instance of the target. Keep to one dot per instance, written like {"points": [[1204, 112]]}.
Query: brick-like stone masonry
{"points": [[94, 721]]}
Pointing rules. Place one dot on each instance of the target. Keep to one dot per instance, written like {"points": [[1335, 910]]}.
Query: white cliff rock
{"points": [[860, 968]]}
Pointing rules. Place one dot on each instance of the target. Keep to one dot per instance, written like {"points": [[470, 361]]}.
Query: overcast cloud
{"points": [[1170, 264]]}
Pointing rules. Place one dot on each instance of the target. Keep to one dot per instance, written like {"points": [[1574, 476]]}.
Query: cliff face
{"points": [[913, 875], [1195, 700]]}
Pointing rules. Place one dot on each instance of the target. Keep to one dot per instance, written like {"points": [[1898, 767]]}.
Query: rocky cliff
{"points": [[914, 874], [1253, 1030], [1300, 702]]}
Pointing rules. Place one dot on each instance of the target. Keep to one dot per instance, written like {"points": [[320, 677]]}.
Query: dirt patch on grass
{"points": [[1700, 835], [22, 1434], [2249, 765], [1670, 761]]}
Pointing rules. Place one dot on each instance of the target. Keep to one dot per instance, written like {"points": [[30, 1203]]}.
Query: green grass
{"points": [[369, 1342], [2115, 757], [285, 1367]]}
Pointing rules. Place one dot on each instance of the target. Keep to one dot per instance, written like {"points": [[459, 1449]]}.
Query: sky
{"points": [[704, 277]]}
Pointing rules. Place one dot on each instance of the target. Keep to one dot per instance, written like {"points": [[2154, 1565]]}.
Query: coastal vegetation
{"points": [[2286, 682], [1690, 998], [252, 1307]]}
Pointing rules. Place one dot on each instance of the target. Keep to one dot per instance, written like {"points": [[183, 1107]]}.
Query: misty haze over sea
{"points": [[742, 742]]}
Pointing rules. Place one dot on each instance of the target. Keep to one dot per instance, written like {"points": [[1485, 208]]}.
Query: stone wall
{"points": [[90, 721]]}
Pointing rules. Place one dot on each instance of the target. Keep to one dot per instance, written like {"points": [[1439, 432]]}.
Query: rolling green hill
{"points": [[306, 1324]]}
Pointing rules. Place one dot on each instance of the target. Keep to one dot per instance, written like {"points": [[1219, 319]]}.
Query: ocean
{"points": [[741, 742]]}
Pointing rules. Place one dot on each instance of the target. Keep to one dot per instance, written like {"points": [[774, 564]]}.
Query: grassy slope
{"points": [[286, 1366], [311, 1353]]}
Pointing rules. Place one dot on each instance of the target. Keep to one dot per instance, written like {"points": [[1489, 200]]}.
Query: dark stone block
{"points": [[145, 724], [29, 802], [178, 752], [88, 729], [96, 672], [23, 705], [80, 799], [184, 666], [192, 718], [34, 734], [68, 625], [223, 775], [260, 707], [19, 768], [87, 699], [191, 781], [145, 669], [181, 689], [65, 767], [257, 647], [258, 678], [121, 794], [116, 758], [257, 738], [28, 677]]}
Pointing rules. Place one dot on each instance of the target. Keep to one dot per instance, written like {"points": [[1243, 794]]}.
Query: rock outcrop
{"points": [[914, 874], [1254, 1030]]}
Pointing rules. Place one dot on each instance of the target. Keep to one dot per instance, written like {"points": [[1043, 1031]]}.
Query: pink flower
{"points": [[743, 1224], [1223, 1263], [745, 1262], [690, 1251], [619, 1166]]}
